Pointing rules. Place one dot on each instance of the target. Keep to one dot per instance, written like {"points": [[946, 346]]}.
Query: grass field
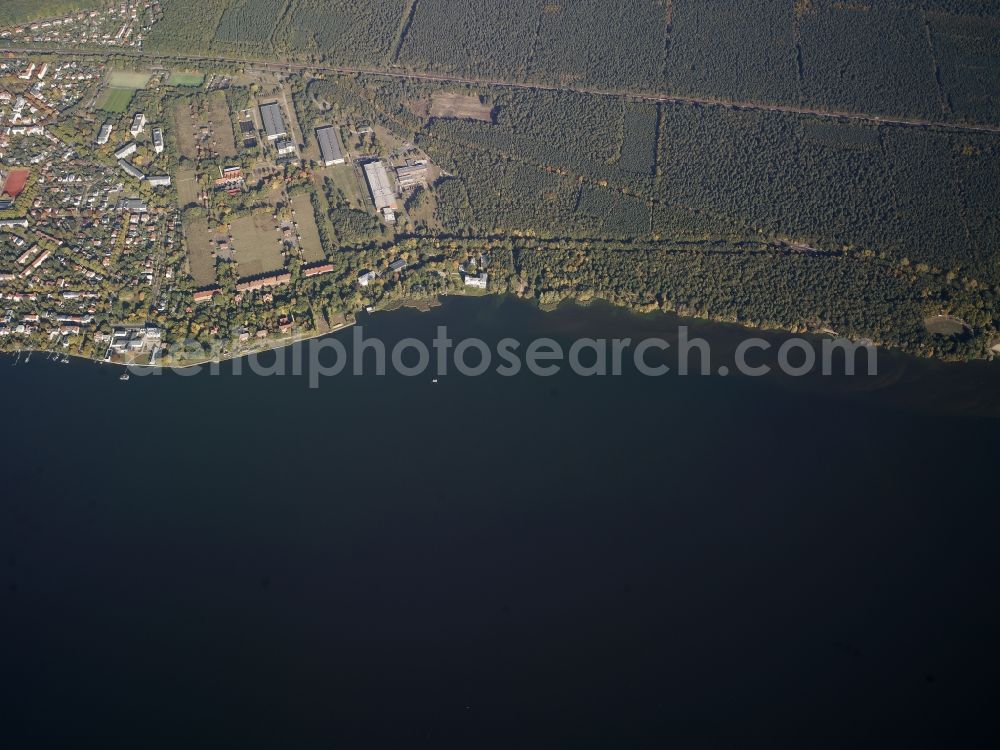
{"points": [[946, 325], [204, 120], [127, 79], [181, 78], [187, 187], [312, 248], [460, 106], [115, 99], [348, 180], [17, 11], [199, 248], [221, 123], [256, 245], [184, 129]]}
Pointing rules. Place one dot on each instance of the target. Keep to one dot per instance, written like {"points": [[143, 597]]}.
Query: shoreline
{"points": [[426, 305]]}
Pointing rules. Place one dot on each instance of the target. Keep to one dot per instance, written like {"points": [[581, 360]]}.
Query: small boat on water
{"points": [[65, 360], [125, 376]]}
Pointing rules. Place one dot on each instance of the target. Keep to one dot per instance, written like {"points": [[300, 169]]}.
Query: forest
{"points": [[343, 32], [927, 59], [737, 51], [873, 58], [331, 31], [968, 55], [614, 46], [250, 23], [490, 40], [914, 194], [757, 287], [527, 127], [911, 194]]}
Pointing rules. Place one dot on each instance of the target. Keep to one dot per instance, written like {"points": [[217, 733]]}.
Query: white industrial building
{"points": [[381, 189]]}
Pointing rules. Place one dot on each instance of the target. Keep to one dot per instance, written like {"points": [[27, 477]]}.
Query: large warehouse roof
{"points": [[329, 146], [274, 123], [378, 181]]}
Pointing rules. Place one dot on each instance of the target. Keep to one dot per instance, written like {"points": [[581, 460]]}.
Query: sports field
{"points": [[183, 78], [16, 182], [115, 100], [127, 79]]}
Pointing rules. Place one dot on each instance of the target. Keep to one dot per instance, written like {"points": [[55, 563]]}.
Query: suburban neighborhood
{"points": [[196, 205]]}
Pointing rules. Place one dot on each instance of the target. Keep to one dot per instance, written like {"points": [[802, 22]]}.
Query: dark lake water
{"points": [[498, 562]]}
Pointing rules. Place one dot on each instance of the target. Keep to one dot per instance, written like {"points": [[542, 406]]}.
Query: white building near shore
{"points": [[478, 282]]}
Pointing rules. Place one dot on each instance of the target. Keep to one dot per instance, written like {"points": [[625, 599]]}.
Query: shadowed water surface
{"points": [[243, 561]]}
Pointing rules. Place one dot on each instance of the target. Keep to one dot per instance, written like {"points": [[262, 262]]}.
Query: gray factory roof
{"points": [[274, 123], [329, 145]]}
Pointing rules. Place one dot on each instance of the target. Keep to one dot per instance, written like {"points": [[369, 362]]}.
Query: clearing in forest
{"points": [[461, 107]]}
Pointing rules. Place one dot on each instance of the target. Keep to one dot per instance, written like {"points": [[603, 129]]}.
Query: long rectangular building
{"points": [[262, 283], [411, 175], [130, 169], [274, 122], [381, 188], [318, 270], [329, 145], [127, 150]]}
